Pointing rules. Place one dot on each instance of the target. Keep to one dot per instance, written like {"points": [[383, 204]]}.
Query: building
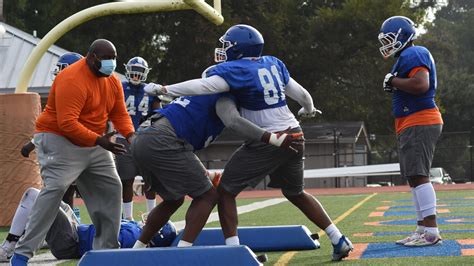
{"points": [[328, 145], [15, 47]]}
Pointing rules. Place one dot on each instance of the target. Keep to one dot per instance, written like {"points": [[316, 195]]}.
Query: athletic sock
{"points": [[183, 244], [150, 204], [232, 241], [426, 197], [333, 233], [23, 211], [128, 210], [139, 244], [432, 231], [419, 216], [420, 229]]}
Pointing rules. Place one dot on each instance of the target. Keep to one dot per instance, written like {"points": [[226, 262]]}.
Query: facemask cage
{"points": [[220, 54]]}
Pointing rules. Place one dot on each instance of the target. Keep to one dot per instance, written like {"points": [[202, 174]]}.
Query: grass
{"points": [[285, 214]]}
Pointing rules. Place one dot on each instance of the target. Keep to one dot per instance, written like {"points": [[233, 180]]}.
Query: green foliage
{"points": [[329, 46]]}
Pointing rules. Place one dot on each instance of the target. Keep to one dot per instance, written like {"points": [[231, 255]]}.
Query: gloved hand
{"points": [[27, 149], [154, 89], [286, 140], [304, 113], [387, 83], [105, 142]]}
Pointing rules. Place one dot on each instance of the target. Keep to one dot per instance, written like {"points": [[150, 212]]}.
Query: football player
{"points": [[260, 84], [139, 105], [164, 153], [67, 239], [418, 122], [64, 61]]}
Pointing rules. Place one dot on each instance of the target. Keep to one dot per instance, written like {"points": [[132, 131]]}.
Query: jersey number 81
{"points": [[271, 93]]}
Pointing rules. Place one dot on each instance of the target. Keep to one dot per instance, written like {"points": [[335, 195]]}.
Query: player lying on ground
{"points": [[260, 84], [67, 239], [164, 153]]}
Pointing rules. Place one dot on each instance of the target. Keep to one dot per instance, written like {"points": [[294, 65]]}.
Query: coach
{"points": [[71, 147]]}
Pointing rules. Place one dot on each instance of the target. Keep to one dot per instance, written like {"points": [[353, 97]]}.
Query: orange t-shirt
{"points": [[421, 118], [80, 103]]}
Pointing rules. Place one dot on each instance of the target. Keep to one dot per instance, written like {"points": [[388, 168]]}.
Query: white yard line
{"points": [[214, 217], [48, 259]]}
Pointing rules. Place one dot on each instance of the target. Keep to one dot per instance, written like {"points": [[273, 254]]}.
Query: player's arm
{"points": [[296, 92], [202, 86], [227, 111], [418, 81], [156, 104]]}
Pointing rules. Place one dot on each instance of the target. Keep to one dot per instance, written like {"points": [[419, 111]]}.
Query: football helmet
{"points": [[164, 237], [136, 70], [396, 32], [64, 61], [239, 41]]}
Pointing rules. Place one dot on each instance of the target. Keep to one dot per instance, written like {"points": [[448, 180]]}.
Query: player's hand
{"points": [[304, 113], [387, 83], [27, 149], [131, 137], [215, 177], [105, 142], [154, 89], [286, 140]]}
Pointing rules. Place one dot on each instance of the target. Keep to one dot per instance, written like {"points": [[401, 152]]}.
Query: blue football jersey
{"points": [[257, 84], [128, 235], [194, 119], [404, 103], [138, 103]]}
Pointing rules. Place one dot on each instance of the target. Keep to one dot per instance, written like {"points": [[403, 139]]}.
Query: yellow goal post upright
{"points": [[127, 7], [21, 109]]}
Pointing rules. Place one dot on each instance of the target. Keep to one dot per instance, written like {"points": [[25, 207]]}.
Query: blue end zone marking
{"points": [[409, 233], [392, 250], [447, 199], [450, 205], [399, 213], [440, 220], [467, 246]]}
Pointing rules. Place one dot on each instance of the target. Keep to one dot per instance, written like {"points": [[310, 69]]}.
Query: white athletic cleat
{"points": [[342, 249], [425, 240], [407, 239], [6, 251]]}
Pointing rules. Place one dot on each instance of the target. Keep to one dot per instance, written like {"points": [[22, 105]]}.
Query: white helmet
{"points": [[136, 70]]}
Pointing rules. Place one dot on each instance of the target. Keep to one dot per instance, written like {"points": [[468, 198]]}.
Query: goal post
{"points": [[129, 7], [21, 108]]}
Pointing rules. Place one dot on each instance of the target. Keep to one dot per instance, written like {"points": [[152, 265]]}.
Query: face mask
{"points": [[107, 67]]}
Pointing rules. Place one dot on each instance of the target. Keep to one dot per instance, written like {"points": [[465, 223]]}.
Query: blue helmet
{"points": [[164, 237], [64, 61], [239, 41], [136, 70], [396, 32]]}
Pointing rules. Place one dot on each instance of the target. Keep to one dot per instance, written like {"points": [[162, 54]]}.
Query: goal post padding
{"points": [[17, 122]]}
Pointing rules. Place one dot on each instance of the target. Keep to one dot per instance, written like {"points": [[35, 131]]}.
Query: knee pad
{"points": [[29, 197], [426, 197]]}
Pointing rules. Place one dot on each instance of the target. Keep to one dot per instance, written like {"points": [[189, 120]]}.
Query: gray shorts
{"points": [[168, 163], [416, 146], [126, 167], [62, 237], [253, 161]]}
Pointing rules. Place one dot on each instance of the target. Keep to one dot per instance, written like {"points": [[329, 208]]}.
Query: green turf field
{"points": [[457, 215]]}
